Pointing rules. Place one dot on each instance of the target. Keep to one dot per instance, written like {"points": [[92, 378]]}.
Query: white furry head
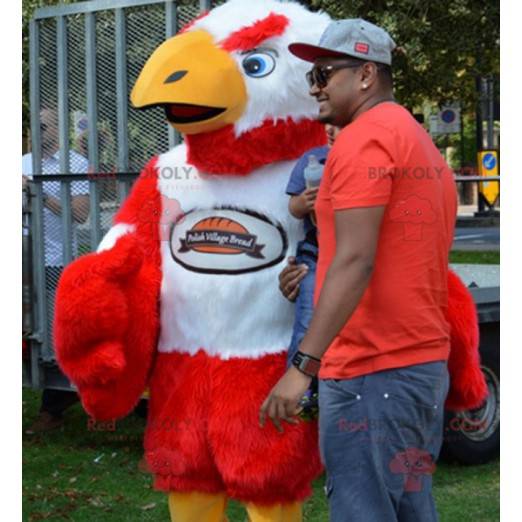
{"points": [[283, 93]]}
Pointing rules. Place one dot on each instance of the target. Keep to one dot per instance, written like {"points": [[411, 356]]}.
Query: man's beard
{"points": [[326, 118]]}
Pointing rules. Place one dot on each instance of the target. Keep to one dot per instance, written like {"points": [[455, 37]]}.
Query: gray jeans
{"points": [[380, 436]]}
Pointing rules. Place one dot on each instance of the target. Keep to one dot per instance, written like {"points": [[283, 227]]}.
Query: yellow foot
{"points": [[277, 513], [197, 507]]}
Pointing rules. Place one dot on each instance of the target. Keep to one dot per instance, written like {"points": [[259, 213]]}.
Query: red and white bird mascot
{"points": [[182, 295]]}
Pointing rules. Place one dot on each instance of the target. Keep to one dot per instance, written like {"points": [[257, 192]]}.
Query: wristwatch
{"points": [[306, 364]]}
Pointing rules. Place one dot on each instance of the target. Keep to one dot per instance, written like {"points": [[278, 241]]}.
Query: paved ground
{"points": [[480, 275], [477, 238]]}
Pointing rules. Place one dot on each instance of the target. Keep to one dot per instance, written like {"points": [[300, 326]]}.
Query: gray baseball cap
{"points": [[353, 37]]}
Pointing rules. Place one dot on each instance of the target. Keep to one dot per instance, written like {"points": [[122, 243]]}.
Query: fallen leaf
{"points": [[96, 502], [149, 506]]}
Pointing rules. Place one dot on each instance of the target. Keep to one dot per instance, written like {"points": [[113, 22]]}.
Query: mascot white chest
{"points": [[224, 241]]}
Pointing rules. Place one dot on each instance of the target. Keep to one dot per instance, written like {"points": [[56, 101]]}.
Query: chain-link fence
{"points": [[63, 228], [85, 59], [88, 143], [59, 227]]}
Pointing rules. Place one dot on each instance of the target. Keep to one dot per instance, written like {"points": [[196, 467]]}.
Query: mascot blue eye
{"points": [[258, 64]]}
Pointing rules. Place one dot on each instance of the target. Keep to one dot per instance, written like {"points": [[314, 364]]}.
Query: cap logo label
{"points": [[361, 47]]}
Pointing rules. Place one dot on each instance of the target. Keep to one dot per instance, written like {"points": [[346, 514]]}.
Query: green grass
{"points": [[82, 475], [473, 257]]}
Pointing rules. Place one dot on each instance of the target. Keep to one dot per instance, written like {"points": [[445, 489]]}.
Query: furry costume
{"points": [[182, 295]]}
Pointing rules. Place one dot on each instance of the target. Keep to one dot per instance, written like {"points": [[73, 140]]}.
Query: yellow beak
{"points": [[199, 84]]}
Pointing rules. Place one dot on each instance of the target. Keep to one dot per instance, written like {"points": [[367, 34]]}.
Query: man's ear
{"points": [[368, 75]]}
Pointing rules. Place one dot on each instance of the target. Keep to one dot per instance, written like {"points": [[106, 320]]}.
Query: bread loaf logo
{"points": [[227, 241], [219, 235]]}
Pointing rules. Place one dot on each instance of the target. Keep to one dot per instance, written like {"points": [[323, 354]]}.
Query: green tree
{"points": [[28, 8], [446, 44]]}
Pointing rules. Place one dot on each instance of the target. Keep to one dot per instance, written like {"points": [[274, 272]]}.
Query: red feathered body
{"points": [[203, 432]]}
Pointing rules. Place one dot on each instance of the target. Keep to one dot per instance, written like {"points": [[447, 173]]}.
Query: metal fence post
{"points": [[40, 335], [34, 93], [35, 221], [28, 292], [63, 138], [63, 106], [121, 99], [121, 90], [92, 117], [171, 24]]}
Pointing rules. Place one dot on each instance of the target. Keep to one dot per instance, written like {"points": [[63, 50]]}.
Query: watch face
{"points": [[306, 364], [312, 366]]}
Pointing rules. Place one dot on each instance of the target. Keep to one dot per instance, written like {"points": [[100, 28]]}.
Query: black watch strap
{"points": [[306, 364]]}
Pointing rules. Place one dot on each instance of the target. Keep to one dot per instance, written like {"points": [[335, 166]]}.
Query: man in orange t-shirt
{"points": [[379, 339]]}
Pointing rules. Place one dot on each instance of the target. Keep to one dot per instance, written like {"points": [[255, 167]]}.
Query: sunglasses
{"points": [[321, 74]]}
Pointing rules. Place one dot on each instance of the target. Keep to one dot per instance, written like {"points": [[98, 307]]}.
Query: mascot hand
{"points": [[91, 318]]}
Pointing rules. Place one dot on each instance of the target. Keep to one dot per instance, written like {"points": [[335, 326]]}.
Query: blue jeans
{"points": [[380, 435], [304, 304]]}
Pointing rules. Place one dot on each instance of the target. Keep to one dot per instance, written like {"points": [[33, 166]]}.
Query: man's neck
{"points": [[371, 102]]}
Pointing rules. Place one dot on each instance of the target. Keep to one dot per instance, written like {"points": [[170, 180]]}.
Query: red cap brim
{"points": [[310, 53]]}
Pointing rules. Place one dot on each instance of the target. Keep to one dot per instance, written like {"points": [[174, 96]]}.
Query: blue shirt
{"points": [[297, 185]]}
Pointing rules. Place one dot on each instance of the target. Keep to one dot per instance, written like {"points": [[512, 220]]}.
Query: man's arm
{"points": [[356, 234], [300, 205], [79, 206]]}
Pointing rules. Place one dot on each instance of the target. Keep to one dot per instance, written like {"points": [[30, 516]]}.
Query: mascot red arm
{"points": [[468, 386], [107, 316]]}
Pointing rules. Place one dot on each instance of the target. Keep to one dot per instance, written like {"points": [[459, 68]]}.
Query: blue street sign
{"points": [[448, 116], [489, 161]]}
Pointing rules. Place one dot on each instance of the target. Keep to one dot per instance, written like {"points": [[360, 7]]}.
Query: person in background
{"points": [[303, 194], [55, 402]]}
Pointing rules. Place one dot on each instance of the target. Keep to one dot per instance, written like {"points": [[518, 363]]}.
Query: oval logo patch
{"points": [[227, 241]]}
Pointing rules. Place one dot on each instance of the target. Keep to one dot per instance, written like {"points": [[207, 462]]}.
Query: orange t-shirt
{"points": [[386, 158]]}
